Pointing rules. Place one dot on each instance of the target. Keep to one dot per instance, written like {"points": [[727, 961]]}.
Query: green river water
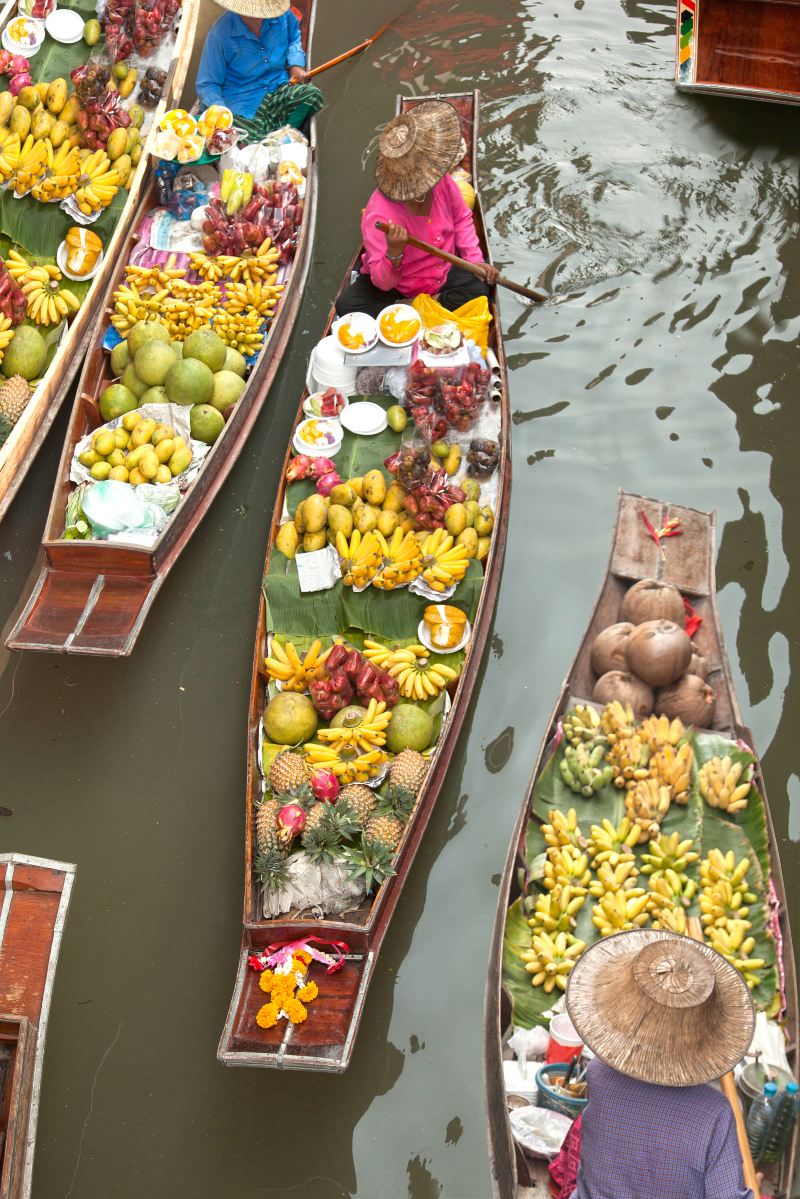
{"points": [[666, 228]]}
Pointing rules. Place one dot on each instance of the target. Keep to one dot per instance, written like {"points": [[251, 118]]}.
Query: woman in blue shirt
{"points": [[251, 50]]}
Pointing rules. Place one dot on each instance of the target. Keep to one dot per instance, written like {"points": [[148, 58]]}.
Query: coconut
{"points": [[650, 599], [690, 699], [658, 651], [619, 684], [698, 664], [608, 648]]}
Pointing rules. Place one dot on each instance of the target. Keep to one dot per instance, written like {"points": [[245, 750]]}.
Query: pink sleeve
{"points": [[466, 238], [375, 263]]}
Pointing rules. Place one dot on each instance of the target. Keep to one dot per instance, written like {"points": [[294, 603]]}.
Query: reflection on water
{"points": [[666, 228]]}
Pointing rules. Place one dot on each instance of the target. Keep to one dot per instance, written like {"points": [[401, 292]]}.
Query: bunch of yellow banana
{"points": [[286, 665], [366, 735], [720, 785], [130, 306], [360, 558], [10, 147], [659, 731], [47, 302], [550, 959], [417, 677], [240, 331], [444, 562], [257, 269], [562, 830], [207, 268], [647, 803], [719, 867], [630, 758], [197, 293], [181, 317], [622, 877], [18, 267], [581, 723], [347, 766], [62, 179], [617, 913], [566, 866], [99, 184], [156, 277], [35, 158], [555, 911], [674, 890], [668, 853], [673, 768], [671, 920], [611, 844], [6, 333], [720, 902], [617, 720], [402, 562], [736, 946], [376, 653], [253, 297]]}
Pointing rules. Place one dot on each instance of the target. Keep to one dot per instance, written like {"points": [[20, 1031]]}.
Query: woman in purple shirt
{"points": [[417, 196], [665, 1016]]}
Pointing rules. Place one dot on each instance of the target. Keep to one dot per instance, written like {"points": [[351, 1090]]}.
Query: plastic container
{"points": [[787, 1105], [759, 1119], [565, 1044], [751, 1079], [555, 1100]]}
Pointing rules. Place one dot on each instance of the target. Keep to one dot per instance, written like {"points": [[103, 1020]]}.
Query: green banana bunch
{"points": [[582, 768], [668, 853], [550, 959]]}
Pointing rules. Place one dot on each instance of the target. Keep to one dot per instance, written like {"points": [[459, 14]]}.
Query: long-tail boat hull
{"points": [[34, 898], [92, 597], [324, 1042], [28, 435], [746, 49], [688, 563]]}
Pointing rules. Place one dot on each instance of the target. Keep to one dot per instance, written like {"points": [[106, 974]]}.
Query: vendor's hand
{"points": [[297, 75], [396, 240], [490, 273]]}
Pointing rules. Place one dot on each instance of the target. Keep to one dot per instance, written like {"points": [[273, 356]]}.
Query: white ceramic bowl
{"points": [[328, 352], [425, 638], [364, 418], [61, 259], [65, 25], [309, 411], [325, 449], [36, 28], [357, 322], [403, 312]]}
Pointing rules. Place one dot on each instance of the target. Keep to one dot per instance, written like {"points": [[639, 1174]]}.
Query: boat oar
{"points": [[728, 1084], [474, 268], [334, 62]]}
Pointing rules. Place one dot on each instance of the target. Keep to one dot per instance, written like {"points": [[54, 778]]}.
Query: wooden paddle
{"points": [[728, 1084], [474, 268], [334, 62]]}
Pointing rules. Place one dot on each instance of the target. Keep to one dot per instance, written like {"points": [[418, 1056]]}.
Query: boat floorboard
{"points": [[749, 43]]}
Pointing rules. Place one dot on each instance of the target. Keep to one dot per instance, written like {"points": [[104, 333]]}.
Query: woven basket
{"points": [[554, 1099]]}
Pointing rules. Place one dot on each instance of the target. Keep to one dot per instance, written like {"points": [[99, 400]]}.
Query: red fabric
{"points": [[693, 621], [564, 1167]]}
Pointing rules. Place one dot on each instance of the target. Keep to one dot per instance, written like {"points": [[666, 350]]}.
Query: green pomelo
{"points": [[234, 361], [410, 728], [120, 358], [116, 400], [154, 395], [144, 331], [227, 389], [206, 423], [206, 346], [290, 719], [26, 354], [189, 381], [153, 361], [132, 381]]}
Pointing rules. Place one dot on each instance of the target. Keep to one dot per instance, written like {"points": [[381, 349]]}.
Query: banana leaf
{"points": [[37, 230], [55, 60], [745, 833]]}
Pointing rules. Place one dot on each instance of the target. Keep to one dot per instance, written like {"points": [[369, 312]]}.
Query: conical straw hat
{"points": [[661, 1007], [417, 149], [256, 8]]}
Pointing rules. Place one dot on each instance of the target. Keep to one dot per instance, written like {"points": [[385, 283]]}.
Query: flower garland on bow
{"points": [[283, 969]]}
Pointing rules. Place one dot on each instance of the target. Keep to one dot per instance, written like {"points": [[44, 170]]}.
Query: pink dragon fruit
{"points": [[325, 786], [326, 484], [291, 822]]}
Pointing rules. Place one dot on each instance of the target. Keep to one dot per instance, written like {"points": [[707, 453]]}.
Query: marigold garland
{"points": [[288, 991]]}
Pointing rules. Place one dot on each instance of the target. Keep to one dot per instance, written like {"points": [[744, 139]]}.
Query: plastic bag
{"points": [[325, 887], [116, 507], [539, 1131], [473, 318]]}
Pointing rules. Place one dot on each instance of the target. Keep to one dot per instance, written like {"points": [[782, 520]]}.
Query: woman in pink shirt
{"points": [[416, 195]]}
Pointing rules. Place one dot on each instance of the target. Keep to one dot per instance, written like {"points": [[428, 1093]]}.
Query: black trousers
{"points": [[460, 286]]}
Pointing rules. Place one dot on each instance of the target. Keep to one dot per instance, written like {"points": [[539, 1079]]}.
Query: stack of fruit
{"points": [[139, 450]]}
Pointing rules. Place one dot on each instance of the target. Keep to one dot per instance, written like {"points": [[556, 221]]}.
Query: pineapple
{"points": [[370, 862], [315, 816], [270, 869], [266, 826], [386, 829], [289, 774], [360, 799], [14, 396], [408, 771]]}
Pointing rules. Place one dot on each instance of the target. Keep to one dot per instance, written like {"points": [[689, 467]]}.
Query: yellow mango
{"points": [[374, 488], [163, 433], [20, 122], [104, 442], [88, 458], [165, 449], [121, 437], [41, 124], [116, 458], [314, 541], [340, 520], [120, 474], [484, 522], [135, 477], [472, 508], [28, 97], [57, 96], [453, 460], [128, 84], [132, 459], [393, 501], [143, 432], [69, 113], [455, 520], [484, 544], [6, 107], [343, 494], [299, 517], [387, 523], [115, 146], [315, 513], [123, 166], [180, 460], [163, 474], [130, 420], [58, 134], [100, 471], [365, 518], [288, 539], [149, 464], [469, 539], [358, 487]]}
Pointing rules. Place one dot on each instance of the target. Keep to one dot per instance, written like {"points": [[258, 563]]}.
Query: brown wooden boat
{"points": [[34, 899], [325, 1040], [27, 436], [689, 564], [92, 597], [744, 48]]}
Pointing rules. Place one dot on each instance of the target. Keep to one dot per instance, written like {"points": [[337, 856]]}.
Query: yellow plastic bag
{"points": [[472, 318]]}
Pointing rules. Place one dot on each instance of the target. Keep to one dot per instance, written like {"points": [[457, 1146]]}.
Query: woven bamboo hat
{"points": [[417, 149], [661, 1007], [256, 8]]}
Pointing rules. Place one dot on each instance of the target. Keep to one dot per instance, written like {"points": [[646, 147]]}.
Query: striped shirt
{"points": [[641, 1141]]}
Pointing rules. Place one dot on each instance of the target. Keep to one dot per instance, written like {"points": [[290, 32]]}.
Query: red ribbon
{"points": [[670, 529], [279, 951], [693, 621]]}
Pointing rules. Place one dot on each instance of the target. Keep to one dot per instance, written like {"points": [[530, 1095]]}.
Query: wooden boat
{"points": [[742, 48], [33, 907], [92, 597], [27, 436], [689, 565], [325, 1040]]}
